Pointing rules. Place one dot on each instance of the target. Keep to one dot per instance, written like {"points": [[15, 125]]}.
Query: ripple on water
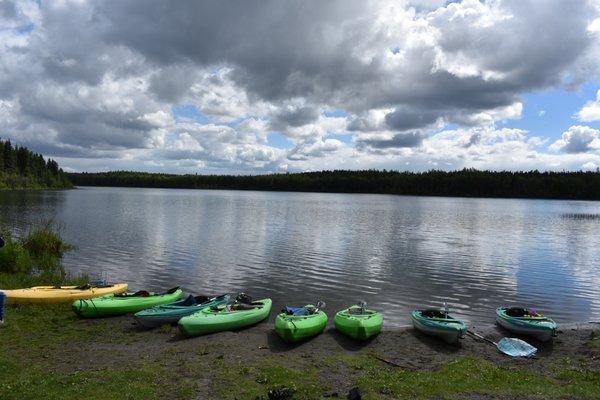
{"points": [[397, 253]]}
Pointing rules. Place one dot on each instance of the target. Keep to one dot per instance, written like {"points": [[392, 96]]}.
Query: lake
{"points": [[397, 253]]}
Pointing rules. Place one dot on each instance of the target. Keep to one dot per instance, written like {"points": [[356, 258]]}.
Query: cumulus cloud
{"points": [[90, 81], [591, 110], [578, 139]]}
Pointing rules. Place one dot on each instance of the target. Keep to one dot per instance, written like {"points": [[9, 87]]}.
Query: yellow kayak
{"points": [[60, 294]]}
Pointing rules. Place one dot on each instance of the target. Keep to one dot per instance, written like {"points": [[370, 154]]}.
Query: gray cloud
{"points": [[95, 78], [404, 119], [399, 140], [293, 117]]}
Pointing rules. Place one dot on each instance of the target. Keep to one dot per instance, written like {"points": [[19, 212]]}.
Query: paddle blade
{"points": [[516, 347]]}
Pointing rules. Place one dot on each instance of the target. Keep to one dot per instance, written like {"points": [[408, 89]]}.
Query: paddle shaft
{"points": [[478, 336]]}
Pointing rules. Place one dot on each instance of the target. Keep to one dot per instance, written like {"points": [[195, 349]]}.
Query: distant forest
{"points": [[21, 168], [467, 182]]}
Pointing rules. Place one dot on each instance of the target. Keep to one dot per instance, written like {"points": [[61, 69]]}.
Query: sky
{"points": [[259, 86]]}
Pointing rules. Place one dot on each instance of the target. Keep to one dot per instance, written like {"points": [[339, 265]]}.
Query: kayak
{"points": [[117, 304], [60, 294], [358, 322], [225, 318], [439, 324], [525, 321], [296, 324], [171, 313]]}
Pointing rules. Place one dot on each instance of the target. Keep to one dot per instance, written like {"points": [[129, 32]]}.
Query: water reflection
{"points": [[397, 253]]}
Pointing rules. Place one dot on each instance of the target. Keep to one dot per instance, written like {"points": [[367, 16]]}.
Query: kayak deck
{"points": [[448, 328], [358, 323], [223, 318], [60, 294], [111, 305], [294, 328]]}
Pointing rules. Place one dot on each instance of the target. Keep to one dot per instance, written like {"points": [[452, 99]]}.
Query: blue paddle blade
{"points": [[516, 347]]}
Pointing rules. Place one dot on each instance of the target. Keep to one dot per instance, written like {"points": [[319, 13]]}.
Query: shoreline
{"points": [[246, 364]]}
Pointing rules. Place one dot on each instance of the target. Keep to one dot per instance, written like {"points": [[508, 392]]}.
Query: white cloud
{"points": [[578, 139], [420, 81], [591, 110]]}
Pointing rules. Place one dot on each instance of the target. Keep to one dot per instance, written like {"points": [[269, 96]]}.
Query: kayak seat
{"points": [[297, 311], [358, 311], [519, 312], [201, 299], [243, 306], [243, 298], [433, 313], [83, 287], [187, 302], [172, 290], [139, 293]]}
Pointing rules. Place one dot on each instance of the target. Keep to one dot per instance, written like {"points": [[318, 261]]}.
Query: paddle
{"points": [[320, 304], [509, 346]]}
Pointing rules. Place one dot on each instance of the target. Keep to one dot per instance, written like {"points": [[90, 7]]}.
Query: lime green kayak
{"points": [[171, 313], [225, 318], [525, 321], [358, 322], [436, 323], [296, 324], [117, 304]]}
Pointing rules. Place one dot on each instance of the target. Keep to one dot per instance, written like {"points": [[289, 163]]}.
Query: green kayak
{"points": [[171, 313], [358, 323], [225, 318], [437, 323], [525, 321], [296, 324], [117, 304]]}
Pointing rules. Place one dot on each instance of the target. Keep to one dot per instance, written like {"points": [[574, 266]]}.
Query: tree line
{"points": [[22, 168], [466, 182]]}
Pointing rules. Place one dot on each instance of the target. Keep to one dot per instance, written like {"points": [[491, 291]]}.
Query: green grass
{"points": [[468, 375], [34, 334], [144, 381], [595, 342], [250, 380], [17, 281]]}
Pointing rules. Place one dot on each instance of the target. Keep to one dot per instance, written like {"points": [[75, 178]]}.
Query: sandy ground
{"points": [[403, 347]]}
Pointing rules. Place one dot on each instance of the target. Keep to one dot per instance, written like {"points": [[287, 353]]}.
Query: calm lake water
{"points": [[397, 253]]}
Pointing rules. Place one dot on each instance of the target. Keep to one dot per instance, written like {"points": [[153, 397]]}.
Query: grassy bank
{"points": [[47, 352], [34, 258]]}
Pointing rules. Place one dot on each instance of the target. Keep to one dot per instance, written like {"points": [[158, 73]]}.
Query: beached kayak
{"points": [[171, 313], [358, 322], [225, 318], [296, 324], [437, 323], [117, 304], [60, 294], [525, 321]]}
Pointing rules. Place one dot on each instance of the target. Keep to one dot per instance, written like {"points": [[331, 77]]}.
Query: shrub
{"points": [[39, 252], [14, 258]]}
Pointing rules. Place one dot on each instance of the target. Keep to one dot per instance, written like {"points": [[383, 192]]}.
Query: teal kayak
{"points": [[358, 323], [225, 318], [439, 324], [526, 321], [296, 324], [171, 313], [117, 304]]}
